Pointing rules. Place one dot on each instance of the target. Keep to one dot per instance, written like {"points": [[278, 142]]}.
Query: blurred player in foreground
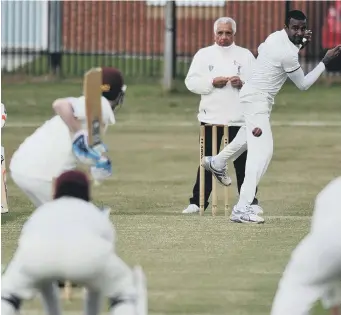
{"points": [[277, 60], [314, 270], [69, 238], [61, 142], [4, 202]]}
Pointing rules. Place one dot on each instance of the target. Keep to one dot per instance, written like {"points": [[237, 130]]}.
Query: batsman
{"points": [[72, 136]]}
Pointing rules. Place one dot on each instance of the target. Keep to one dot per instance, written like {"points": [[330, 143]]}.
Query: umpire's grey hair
{"points": [[225, 20]]}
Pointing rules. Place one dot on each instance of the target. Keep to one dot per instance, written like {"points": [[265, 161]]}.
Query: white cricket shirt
{"points": [[48, 151], [313, 272], [277, 56], [327, 211], [68, 216], [219, 106]]}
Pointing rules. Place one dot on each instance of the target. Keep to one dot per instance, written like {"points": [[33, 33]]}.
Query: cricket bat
{"points": [[92, 87], [4, 202]]}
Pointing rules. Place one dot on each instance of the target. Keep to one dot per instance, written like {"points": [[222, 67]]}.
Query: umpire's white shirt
{"points": [[219, 106]]}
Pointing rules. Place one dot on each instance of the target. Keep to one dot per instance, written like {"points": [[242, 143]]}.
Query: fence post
{"points": [[55, 36], [287, 7], [169, 57]]}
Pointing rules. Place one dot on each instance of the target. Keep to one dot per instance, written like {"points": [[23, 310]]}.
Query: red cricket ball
{"points": [[257, 132]]}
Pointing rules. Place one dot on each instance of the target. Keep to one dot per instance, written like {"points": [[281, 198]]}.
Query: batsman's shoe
{"points": [[4, 210], [221, 175], [245, 215], [82, 151], [192, 208], [257, 209]]}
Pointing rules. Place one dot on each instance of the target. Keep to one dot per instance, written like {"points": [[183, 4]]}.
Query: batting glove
{"points": [[100, 148], [102, 169], [81, 149]]}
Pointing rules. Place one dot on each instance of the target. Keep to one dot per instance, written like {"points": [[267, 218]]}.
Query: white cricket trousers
{"points": [[78, 257], [256, 112], [37, 190], [313, 273]]}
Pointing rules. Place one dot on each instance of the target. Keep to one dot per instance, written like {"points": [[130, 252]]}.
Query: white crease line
{"points": [[267, 218], [307, 123], [288, 217], [191, 124], [41, 312]]}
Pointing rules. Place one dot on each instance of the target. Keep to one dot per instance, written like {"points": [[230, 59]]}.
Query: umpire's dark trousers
{"points": [[239, 164]]}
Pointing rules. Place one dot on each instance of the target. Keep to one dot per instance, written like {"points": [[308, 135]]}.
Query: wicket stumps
{"points": [[214, 195]]}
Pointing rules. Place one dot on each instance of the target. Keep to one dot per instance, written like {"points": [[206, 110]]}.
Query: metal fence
{"points": [[68, 37]]}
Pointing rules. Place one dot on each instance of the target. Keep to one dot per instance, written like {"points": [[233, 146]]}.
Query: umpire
{"points": [[217, 73]]}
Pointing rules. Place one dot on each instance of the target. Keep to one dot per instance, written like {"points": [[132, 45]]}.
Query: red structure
{"points": [[331, 31], [134, 27], [137, 28]]}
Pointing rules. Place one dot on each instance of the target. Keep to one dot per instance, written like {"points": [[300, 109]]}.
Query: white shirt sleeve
{"points": [[315, 262], [290, 63], [248, 67], [307, 275], [305, 82], [327, 206], [198, 79], [78, 106], [79, 109]]}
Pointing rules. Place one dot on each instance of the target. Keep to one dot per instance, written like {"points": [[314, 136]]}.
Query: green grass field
{"points": [[194, 265]]}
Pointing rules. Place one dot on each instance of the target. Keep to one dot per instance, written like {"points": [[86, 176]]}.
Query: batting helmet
{"points": [[113, 88]]}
